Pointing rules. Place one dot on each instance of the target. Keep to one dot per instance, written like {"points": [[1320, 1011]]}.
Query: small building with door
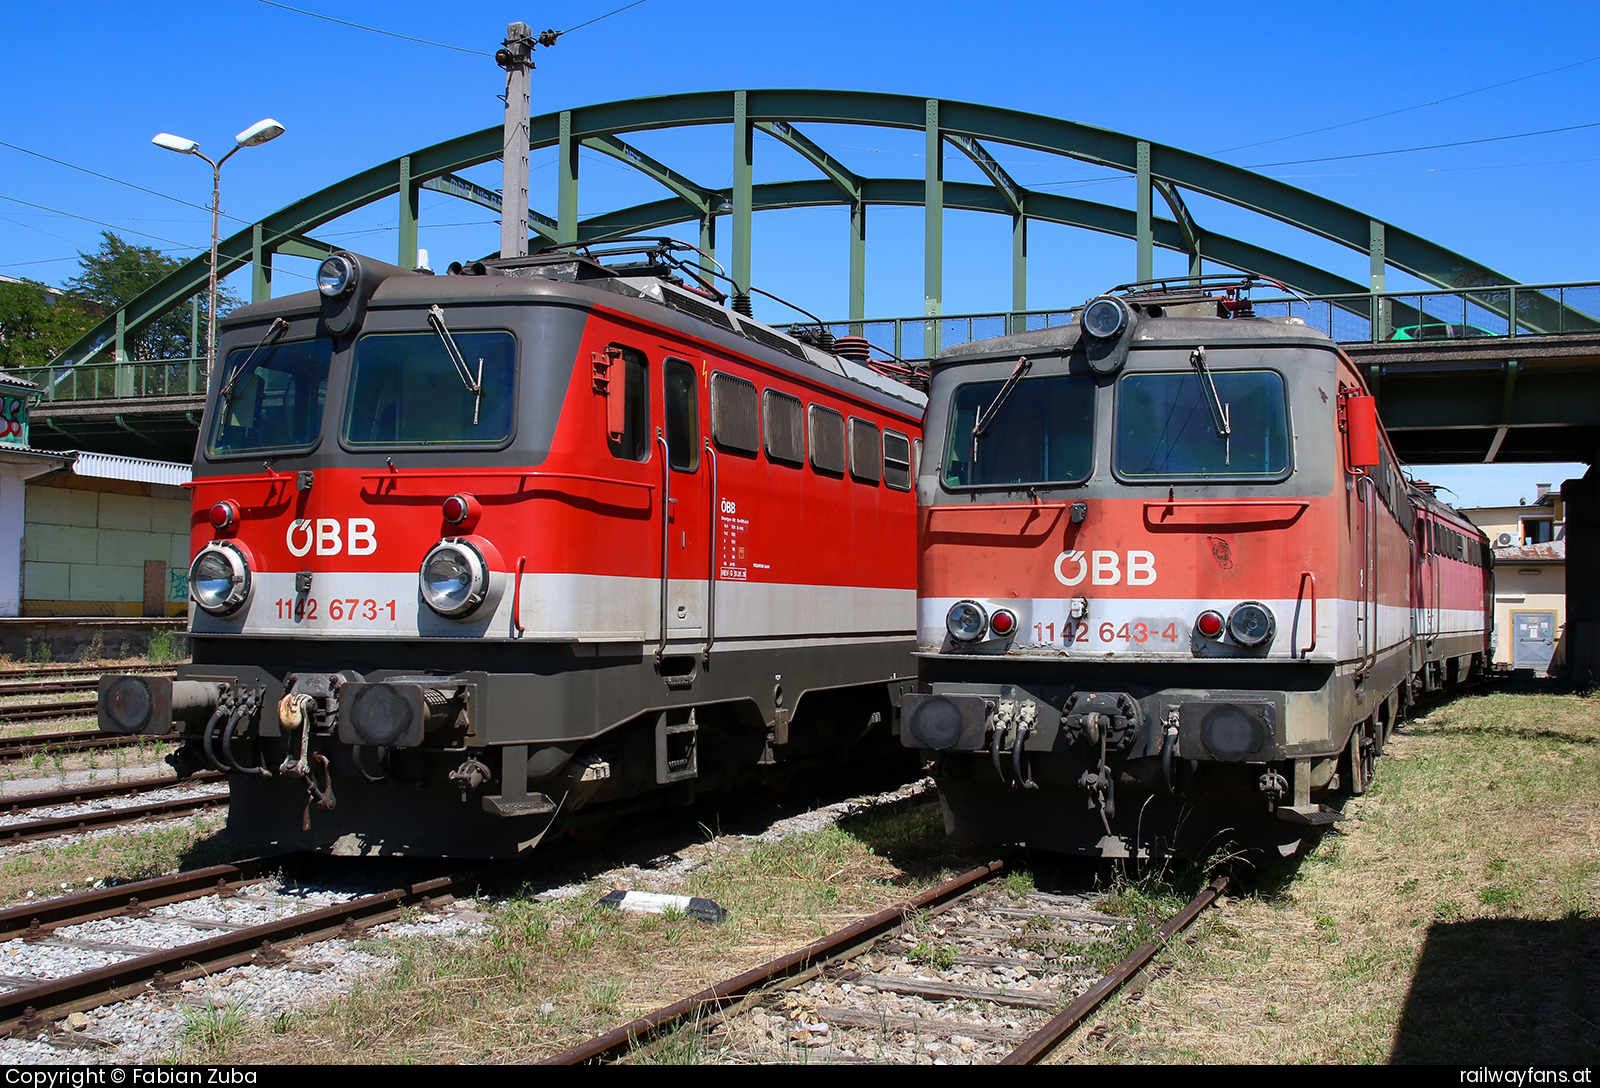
{"points": [[1530, 580]]}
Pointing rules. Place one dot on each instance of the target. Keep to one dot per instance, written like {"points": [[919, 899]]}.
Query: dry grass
{"points": [[551, 974], [55, 867], [1455, 918]]}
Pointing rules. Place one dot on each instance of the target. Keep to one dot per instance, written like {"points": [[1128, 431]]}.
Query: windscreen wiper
{"points": [[226, 395], [1219, 411], [474, 385], [986, 419]]}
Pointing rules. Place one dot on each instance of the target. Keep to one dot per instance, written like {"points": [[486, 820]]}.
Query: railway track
{"points": [[66, 682], [965, 972], [14, 747], [16, 826], [152, 935]]}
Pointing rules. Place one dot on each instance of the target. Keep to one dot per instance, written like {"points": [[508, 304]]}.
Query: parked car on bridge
{"points": [[1440, 330]]}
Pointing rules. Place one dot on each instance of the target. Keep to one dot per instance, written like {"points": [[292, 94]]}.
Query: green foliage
{"points": [[36, 326], [211, 1029], [940, 957], [166, 647], [118, 272]]}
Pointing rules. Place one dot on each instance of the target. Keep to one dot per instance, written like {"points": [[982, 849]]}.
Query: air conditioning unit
{"points": [[1503, 540]]}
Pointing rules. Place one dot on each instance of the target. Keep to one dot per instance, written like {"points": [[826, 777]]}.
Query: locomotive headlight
{"points": [[336, 276], [454, 578], [1251, 624], [966, 621], [1104, 318], [219, 578]]}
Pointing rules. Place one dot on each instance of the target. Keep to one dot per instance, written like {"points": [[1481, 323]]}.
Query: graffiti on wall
{"points": [[13, 420], [177, 584]]}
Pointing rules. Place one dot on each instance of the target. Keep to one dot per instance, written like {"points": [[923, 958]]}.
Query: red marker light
{"points": [[1002, 623], [456, 509], [224, 515], [1209, 624]]}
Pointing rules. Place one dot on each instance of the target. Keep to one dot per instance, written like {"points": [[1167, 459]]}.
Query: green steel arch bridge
{"points": [[1515, 375]]}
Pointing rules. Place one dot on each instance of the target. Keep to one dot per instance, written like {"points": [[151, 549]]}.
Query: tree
{"points": [[36, 326], [118, 272]]}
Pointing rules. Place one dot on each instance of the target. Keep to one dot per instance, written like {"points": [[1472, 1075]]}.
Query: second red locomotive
{"points": [[1172, 586]]}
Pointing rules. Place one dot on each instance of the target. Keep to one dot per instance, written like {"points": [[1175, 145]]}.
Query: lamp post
{"points": [[256, 134]]}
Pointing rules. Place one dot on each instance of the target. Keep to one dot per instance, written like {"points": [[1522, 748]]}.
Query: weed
{"points": [[94, 649], [211, 1029], [1019, 882], [940, 957], [165, 648], [683, 1045], [1499, 896], [603, 997]]}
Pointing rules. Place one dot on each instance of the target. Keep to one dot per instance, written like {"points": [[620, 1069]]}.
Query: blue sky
{"points": [[89, 84]]}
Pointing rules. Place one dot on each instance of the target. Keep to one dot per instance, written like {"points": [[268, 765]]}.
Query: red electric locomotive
{"points": [[1167, 587], [475, 553]]}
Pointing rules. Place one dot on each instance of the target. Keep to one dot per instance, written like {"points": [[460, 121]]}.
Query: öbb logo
{"points": [[359, 537], [1106, 568]]}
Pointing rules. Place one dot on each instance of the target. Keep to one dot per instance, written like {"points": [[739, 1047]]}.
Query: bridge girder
{"points": [[777, 112]]}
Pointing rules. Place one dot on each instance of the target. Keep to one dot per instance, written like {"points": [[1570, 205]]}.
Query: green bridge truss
{"points": [[1161, 172]]}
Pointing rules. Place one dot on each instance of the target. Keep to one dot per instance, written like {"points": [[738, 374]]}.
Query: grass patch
{"points": [[59, 866], [549, 974], [1455, 918], [212, 1031]]}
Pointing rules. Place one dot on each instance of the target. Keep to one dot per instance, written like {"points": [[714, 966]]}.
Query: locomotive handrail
{"points": [[666, 539], [1304, 575], [516, 599], [1162, 513], [501, 474], [1369, 648], [711, 551]]}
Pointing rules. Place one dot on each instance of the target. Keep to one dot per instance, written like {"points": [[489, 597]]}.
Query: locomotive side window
{"points": [[827, 440], [683, 415], [735, 413], [406, 391], [272, 398], [786, 436], [634, 442], [866, 456], [1042, 433], [897, 460], [1166, 428]]}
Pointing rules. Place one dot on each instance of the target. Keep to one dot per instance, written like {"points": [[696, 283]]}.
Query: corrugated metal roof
{"points": [[16, 382], [1553, 552], [106, 466]]}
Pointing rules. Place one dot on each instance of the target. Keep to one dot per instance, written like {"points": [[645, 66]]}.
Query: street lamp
{"points": [[257, 134]]}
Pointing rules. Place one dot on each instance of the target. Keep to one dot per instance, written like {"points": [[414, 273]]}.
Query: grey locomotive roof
{"points": [[639, 297], [1147, 332]]}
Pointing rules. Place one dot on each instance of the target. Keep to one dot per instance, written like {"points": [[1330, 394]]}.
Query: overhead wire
{"points": [[1409, 109], [1428, 147], [426, 41], [375, 30], [100, 223], [108, 177]]}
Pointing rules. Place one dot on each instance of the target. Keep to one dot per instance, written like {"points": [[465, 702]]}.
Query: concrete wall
{"points": [[1515, 591], [86, 542]]}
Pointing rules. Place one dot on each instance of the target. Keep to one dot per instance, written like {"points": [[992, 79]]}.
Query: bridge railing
{"points": [[130, 378], [1467, 313]]}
